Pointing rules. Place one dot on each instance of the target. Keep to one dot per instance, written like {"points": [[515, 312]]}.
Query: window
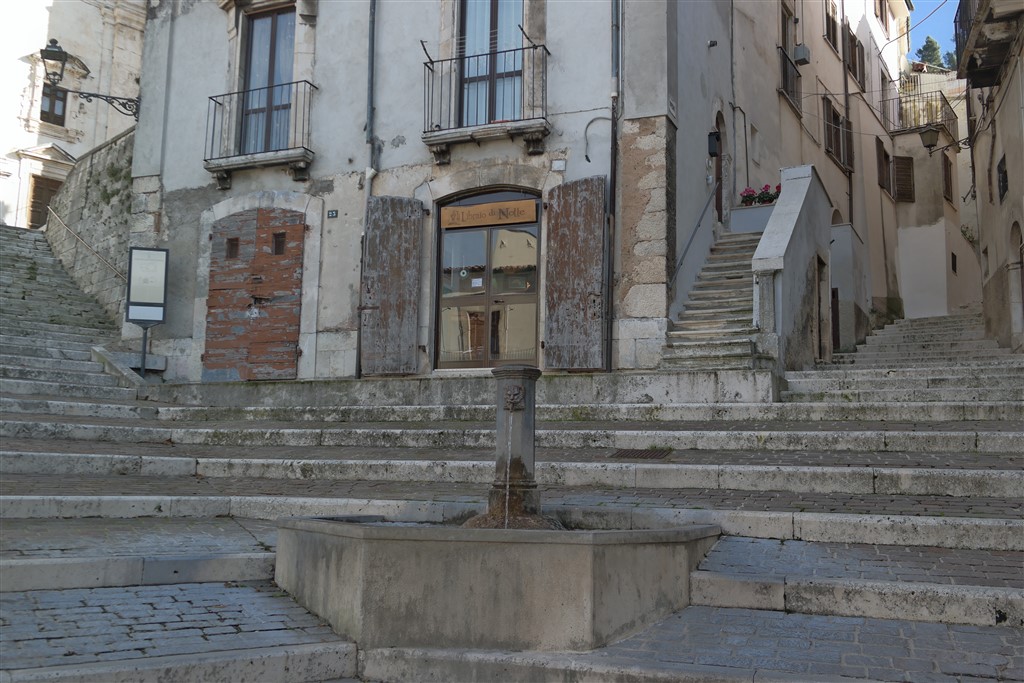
{"points": [[952, 261], [855, 57], [51, 110], [884, 166], [947, 177], [882, 12], [790, 73], [832, 24], [838, 134], [279, 242], [268, 88], [1002, 179], [492, 63], [903, 179]]}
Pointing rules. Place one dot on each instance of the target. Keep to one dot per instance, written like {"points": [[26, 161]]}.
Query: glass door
{"points": [[488, 296]]}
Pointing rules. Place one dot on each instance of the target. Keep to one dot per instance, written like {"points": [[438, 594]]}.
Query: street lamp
{"points": [[54, 56], [930, 138]]}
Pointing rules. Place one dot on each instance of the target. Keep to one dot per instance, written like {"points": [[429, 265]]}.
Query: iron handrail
{"points": [[86, 244], [696, 227]]}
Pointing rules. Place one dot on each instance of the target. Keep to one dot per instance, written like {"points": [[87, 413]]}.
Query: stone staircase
{"points": [[714, 330], [48, 326], [865, 536]]}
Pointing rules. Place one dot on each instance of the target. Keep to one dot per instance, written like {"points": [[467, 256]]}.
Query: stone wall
{"points": [[94, 204]]}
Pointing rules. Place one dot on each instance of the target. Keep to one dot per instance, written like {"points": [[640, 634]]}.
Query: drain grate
{"points": [[641, 453]]}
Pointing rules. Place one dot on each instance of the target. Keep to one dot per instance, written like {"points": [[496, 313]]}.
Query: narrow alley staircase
{"points": [[714, 330], [867, 533]]}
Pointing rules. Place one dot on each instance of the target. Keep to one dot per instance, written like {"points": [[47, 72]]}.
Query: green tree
{"points": [[930, 52], [949, 58]]}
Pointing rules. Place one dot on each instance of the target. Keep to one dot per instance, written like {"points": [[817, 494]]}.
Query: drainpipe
{"points": [[370, 172], [612, 181], [846, 107]]}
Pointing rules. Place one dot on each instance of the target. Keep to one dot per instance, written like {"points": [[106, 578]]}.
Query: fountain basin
{"points": [[385, 585]]}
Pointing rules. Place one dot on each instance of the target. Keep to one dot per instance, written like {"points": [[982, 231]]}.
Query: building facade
{"points": [[46, 128], [385, 187], [990, 47]]}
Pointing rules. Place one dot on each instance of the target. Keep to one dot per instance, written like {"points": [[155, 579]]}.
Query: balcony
{"points": [[985, 31], [259, 127], [910, 112], [790, 80], [478, 97]]}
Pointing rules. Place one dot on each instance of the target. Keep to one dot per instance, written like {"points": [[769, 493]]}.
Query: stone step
{"points": [[966, 334], [1008, 365], [1006, 379], [13, 344], [710, 348], [58, 376], [90, 407], [917, 358], [36, 362], [717, 308], [183, 632], [899, 395], [21, 348], [733, 646], [50, 554], [927, 584], [975, 437], [729, 475], [955, 348], [696, 320], [57, 333], [102, 327], [44, 388], [702, 334]]}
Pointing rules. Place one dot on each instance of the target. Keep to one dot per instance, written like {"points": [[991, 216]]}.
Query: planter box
{"points": [[389, 585], [750, 218]]}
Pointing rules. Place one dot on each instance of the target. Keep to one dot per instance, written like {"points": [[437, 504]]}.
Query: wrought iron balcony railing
{"points": [[476, 90], [790, 83], [262, 120], [918, 110]]}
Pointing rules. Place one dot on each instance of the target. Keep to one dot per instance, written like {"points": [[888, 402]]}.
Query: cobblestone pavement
{"points": [[771, 558], [149, 536], [689, 457], [53, 628], [717, 499], [912, 652]]}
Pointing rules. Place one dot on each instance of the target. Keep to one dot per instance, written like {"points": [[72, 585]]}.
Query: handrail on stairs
{"points": [[696, 227], [86, 244]]}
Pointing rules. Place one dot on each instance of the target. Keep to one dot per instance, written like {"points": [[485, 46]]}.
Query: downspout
{"points": [[612, 181], [846, 106], [370, 172]]}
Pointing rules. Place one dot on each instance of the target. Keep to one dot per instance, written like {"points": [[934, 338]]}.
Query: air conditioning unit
{"points": [[802, 55]]}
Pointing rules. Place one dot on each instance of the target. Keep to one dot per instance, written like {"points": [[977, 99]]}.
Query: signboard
{"points": [[496, 213], [147, 286]]}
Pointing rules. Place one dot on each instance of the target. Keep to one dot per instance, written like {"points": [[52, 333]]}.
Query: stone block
{"points": [[645, 301], [722, 590], [798, 479], [206, 568], [57, 573]]}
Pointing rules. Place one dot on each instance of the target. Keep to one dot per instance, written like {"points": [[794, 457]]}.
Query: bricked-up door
{"points": [[575, 327], [389, 315], [255, 299]]}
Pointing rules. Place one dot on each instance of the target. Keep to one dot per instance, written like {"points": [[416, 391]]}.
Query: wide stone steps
{"points": [[986, 394], [93, 377], [917, 583], [992, 437], [68, 389], [905, 359]]}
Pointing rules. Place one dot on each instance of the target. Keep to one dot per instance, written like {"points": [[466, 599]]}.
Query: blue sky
{"points": [[939, 26]]}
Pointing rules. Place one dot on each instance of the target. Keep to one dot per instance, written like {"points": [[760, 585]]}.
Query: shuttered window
{"points": [[838, 134], [947, 178], [903, 179], [884, 162]]}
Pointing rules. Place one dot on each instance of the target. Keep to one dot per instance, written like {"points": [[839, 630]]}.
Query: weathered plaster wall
{"points": [[95, 204]]}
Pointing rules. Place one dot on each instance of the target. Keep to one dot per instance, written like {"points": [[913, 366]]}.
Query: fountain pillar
{"points": [[514, 492]]}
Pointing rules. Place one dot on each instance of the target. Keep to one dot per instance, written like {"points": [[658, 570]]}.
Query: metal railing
{"points": [[85, 244], [790, 78], [962, 23], [267, 119], [496, 87], [919, 110], [696, 227]]}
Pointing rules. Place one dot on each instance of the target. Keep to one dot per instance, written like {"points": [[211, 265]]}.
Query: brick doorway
{"points": [[255, 298]]}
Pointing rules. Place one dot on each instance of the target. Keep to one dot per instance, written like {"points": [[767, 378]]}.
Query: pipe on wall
{"points": [[371, 171]]}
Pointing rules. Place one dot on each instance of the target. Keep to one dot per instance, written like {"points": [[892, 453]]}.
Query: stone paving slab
{"points": [[715, 499], [86, 626], [799, 458], [767, 558], [151, 536]]}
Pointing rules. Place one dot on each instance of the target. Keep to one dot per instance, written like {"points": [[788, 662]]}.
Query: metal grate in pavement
{"points": [[641, 453]]}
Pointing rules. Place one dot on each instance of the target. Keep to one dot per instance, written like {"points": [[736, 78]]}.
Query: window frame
{"points": [[947, 177], [832, 24], [885, 170], [270, 108], [1002, 179], [838, 134], [855, 59], [492, 77], [53, 95]]}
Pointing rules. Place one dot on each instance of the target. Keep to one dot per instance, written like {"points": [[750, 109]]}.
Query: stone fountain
{"points": [[509, 578]]}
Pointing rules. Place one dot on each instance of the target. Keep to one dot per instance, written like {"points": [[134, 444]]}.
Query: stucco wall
{"points": [[95, 204]]}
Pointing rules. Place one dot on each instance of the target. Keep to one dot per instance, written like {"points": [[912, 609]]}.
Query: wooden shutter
{"points": [[903, 178], [575, 294], [389, 311]]}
